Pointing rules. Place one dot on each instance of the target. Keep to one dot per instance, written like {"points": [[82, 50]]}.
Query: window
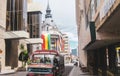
{"points": [[47, 28], [97, 2], [40, 58], [14, 16], [33, 21], [92, 9], [33, 36]]}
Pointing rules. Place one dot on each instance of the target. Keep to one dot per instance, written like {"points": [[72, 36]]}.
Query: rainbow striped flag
{"points": [[46, 41], [49, 42], [43, 44]]}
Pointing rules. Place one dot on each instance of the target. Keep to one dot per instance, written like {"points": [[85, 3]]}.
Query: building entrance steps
{"points": [[76, 71]]}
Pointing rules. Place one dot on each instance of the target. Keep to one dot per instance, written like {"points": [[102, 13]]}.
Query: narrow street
{"points": [[68, 69], [60, 37]]}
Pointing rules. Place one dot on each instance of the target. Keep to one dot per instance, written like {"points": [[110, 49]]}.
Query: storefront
{"points": [[105, 61]]}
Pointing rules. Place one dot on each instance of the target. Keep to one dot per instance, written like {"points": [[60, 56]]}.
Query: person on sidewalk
{"points": [[76, 63]]}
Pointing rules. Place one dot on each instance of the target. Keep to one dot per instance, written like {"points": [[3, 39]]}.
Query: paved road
{"points": [[68, 69]]}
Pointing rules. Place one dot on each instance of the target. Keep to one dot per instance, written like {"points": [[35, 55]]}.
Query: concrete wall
{"points": [[83, 31], [3, 13], [2, 48], [2, 31]]}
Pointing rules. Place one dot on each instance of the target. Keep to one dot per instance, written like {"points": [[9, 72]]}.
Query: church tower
{"points": [[48, 24], [48, 12], [50, 34]]}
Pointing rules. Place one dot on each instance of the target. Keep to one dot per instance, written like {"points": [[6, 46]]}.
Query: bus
{"points": [[46, 63]]}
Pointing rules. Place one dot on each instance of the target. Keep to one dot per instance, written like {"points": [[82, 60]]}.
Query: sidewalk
{"points": [[7, 72], [76, 71]]}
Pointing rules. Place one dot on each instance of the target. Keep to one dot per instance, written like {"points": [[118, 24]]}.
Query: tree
{"points": [[23, 56]]}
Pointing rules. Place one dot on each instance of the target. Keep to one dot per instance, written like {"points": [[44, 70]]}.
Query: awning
{"points": [[16, 35], [100, 43], [33, 40]]}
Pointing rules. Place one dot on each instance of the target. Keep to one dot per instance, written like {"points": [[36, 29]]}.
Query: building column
{"points": [[112, 58], [104, 61], [95, 66], [92, 61]]}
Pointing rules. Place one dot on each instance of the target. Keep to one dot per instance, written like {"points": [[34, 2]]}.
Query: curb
{"points": [[5, 73]]}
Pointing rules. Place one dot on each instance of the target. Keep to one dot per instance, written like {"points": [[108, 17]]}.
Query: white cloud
{"points": [[72, 36]]}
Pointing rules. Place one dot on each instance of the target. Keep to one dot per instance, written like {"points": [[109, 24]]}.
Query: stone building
{"points": [[51, 32], [100, 37], [13, 23], [34, 20], [13, 33]]}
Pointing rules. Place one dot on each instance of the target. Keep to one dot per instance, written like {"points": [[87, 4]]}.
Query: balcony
{"points": [[100, 43], [109, 19], [16, 35]]}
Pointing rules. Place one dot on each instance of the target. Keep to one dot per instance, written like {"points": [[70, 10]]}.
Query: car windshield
{"points": [[48, 70], [47, 59]]}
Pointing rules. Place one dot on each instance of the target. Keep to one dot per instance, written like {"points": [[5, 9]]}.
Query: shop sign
{"points": [[106, 7]]}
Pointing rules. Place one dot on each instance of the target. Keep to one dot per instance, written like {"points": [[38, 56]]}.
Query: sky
{"points": [[63, 14]]}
